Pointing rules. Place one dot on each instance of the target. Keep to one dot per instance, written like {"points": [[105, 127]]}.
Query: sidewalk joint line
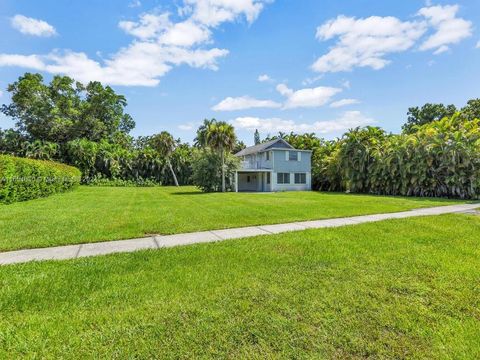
{"points": [[78, 251], [267, 231], [217, 236]]}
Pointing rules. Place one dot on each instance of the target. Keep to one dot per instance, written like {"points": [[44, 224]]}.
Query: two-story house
{"points": [[274, 166]]}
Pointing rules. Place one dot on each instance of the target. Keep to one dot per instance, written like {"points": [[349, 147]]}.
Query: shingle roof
{"points": [[260, 147]]}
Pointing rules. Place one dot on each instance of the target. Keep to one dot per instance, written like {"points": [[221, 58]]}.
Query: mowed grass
{"points": [[394, 289], [90, 214]]}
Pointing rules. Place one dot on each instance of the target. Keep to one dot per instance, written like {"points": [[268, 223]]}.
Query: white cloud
{"points": [[441, 50], [159, 28], [159, 45], [365, 42], [31, 26], [135, 3], [1, 93], [148, 26], [344, 102], [350, 119], [264, 78], [309, 97], [28, 61], [185, 33], [214, 12], [186, 127], [243, 103], [311, 80], [478, 45], [449, 28]]}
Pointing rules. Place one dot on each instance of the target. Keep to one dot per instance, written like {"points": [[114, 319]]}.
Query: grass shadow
{"points": [[189, 193]]}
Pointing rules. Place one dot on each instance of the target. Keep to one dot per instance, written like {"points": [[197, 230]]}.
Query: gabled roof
{"points": [[262, 147]]}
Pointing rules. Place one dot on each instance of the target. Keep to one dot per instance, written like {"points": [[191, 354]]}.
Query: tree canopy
{"points": [[65, 109], [428, 113], [417, 116]]}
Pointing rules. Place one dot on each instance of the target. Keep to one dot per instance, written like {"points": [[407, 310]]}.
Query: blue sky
{"points": [[277, 65]]}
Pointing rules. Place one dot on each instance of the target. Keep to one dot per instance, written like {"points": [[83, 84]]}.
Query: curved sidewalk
{"points": [[158, 242]]}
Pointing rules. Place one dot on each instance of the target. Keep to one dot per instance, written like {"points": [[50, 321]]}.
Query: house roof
{"points": [[262, 147]]}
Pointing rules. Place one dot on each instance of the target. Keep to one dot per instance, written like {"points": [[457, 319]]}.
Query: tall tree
{"points": [[221, 137], [427, 114], [165, 145], [256, 137], [472, 110], [64, 109]]}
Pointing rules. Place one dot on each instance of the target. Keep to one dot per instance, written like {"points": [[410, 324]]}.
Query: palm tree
{"points": [[201, 139], [221, 137], [165, 145]]}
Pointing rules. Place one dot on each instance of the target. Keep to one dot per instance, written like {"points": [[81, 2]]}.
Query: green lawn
{"points": [[398, 289], [90, 214]]}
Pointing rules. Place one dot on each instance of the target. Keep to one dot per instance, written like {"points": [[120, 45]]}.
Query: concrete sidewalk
{"points": [[157, 242]]}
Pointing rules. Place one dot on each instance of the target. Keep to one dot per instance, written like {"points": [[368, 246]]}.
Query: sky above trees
{"points": [[279, 65]]}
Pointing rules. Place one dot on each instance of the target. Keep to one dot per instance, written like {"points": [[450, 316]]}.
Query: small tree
{"points": [[256, 137], [206, 167]]}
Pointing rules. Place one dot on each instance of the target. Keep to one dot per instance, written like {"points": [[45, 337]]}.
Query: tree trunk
{"points": [[223, 169], [173, 173]]}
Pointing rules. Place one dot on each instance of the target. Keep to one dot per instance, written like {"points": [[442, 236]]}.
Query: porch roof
{"points": [[254, 170]]}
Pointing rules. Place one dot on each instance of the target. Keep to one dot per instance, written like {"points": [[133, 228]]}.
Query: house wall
{"points": [[259, 161], [283, 165], [291, 186]]}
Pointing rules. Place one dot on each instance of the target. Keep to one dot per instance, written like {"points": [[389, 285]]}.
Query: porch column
{"points": [[236, 181]]}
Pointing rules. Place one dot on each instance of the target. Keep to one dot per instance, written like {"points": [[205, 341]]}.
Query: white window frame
{"points": [[287, 155], [300, 178], [283, 175]]}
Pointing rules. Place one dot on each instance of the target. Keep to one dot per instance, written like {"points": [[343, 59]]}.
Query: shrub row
{"points": [[24, 179], [440, 159]]}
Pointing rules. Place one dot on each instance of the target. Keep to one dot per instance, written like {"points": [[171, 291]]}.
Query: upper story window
{"points": [[292, 156], [267, 156]]}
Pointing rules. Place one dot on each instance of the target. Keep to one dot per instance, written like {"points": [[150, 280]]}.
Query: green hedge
{"points": [[24, 179]]}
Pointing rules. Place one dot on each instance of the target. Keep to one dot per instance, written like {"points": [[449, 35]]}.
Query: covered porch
{"points": [[253, 180]]}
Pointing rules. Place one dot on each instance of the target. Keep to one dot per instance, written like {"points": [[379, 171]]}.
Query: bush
{"points": [[99, 181], [25, 179], [207, 171]]}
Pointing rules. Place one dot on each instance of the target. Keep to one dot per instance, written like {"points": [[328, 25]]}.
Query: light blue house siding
{"points": [[274, 166], [283, 165]]}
